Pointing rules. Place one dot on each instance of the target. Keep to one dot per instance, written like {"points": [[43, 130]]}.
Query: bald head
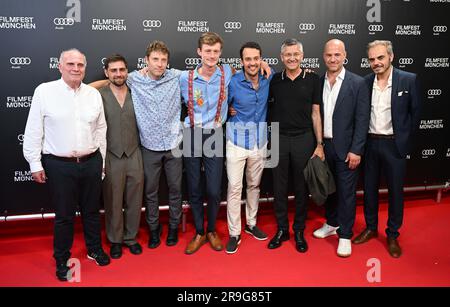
{"points": [[334, 55]]}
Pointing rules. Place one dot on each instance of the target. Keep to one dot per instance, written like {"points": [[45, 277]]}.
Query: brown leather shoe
{"points": [[394, 248], [214, 240], [365, 236], [195, 244]]}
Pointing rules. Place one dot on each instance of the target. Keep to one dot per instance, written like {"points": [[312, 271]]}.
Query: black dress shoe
{"points": [[135, 249], [172, 237], [61, 271], [279, 237], [155, 237], [116, 250], [300, 242]]}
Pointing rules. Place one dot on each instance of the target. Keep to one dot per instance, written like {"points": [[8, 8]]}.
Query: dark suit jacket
{"points": [[351, 115], [405, 106]]}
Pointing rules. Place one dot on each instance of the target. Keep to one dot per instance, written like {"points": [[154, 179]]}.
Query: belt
{"points": [[72, 159], [381, 136]]}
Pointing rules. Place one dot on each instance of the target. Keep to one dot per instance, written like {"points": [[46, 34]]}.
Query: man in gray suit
{"points": [[124, 181]]}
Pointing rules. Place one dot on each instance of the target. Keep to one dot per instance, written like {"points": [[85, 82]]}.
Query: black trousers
{"points": [[74, 185], [382, 154], [340, 208], [294, 153]]}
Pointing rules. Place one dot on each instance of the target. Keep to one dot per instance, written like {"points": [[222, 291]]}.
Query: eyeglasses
{"points": [[290, 55]]}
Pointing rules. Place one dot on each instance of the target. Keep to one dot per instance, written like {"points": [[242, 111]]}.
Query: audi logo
{"points": [[271, 61], [20, 61], [440, 29], [103, 61], [232, 25], [151, 23], [63, 21], [306, 26], [375, 28], [20, 137], [405, 61], [192, 61], [434, 92], [428, 152]]}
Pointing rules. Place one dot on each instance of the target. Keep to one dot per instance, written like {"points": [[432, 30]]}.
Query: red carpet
{"points": [[26, 256]]}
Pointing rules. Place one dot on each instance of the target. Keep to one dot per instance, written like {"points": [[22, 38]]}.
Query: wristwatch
{"points": [[321, 143]]}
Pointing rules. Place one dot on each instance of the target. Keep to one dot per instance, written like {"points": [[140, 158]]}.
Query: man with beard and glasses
{"points": [[124, 181]]}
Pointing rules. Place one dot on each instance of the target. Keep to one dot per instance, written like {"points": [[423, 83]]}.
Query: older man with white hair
{"points": [[65, 145]]}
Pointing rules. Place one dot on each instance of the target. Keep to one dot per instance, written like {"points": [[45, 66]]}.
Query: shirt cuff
{"points": [[36, 167]]}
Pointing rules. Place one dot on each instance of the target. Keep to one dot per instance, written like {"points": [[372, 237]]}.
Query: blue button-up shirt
{"points": [[207, 92], [157, 104], [248, 128]]}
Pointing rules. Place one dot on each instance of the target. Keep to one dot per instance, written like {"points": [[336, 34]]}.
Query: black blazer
{"points": [[405, 106], [351, 115]]}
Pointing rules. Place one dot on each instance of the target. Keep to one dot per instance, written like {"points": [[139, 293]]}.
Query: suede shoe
{"points": [[279, 237], [135, 249], [155, 237], [172, 237], [116, 250], [365, 236], [300, 242], [195, 244], [257, 233], [99, 256], [233, 244], [394, 248], [214, 241]]}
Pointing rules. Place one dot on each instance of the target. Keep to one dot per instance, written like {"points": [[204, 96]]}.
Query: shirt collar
{"points": [[375, 81], [341, 75], [197, 74], [67, 87]]}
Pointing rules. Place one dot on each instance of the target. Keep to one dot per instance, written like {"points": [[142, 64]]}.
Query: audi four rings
{"points": [[192, 61], [151, 23], [375, 28], [440, 29], [306, 26], [232, 25], [20, 61], [405, 61], [428, 152], [434, 92], [63, 21]]}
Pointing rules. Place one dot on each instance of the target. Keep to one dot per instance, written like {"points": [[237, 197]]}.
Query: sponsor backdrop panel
{"points": [[33, 33]]}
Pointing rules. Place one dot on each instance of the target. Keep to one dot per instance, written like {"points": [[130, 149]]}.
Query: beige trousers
{"points": [[237, 157]]}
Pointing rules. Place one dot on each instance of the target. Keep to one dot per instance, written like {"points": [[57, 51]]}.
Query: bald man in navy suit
{"points": [[395, 109], [345, 111]]}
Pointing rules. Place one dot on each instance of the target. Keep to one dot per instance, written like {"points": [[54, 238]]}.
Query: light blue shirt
{"points": [[248, 128], [208, 92], [157, 104]]}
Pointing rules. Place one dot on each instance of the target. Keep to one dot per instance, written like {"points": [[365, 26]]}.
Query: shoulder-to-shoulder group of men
{"points": [[117, 140]]}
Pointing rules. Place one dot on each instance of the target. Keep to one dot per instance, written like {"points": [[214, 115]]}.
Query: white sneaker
{"points": [[344, 248], [325, 231]]}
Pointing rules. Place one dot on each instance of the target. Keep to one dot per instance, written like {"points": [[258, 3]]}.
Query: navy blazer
{"points": [[351, 115], [405, 106]]}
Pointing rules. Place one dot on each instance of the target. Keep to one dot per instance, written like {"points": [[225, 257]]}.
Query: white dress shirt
{"points": [[330, 95], [380, 111], [64, 122]]}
